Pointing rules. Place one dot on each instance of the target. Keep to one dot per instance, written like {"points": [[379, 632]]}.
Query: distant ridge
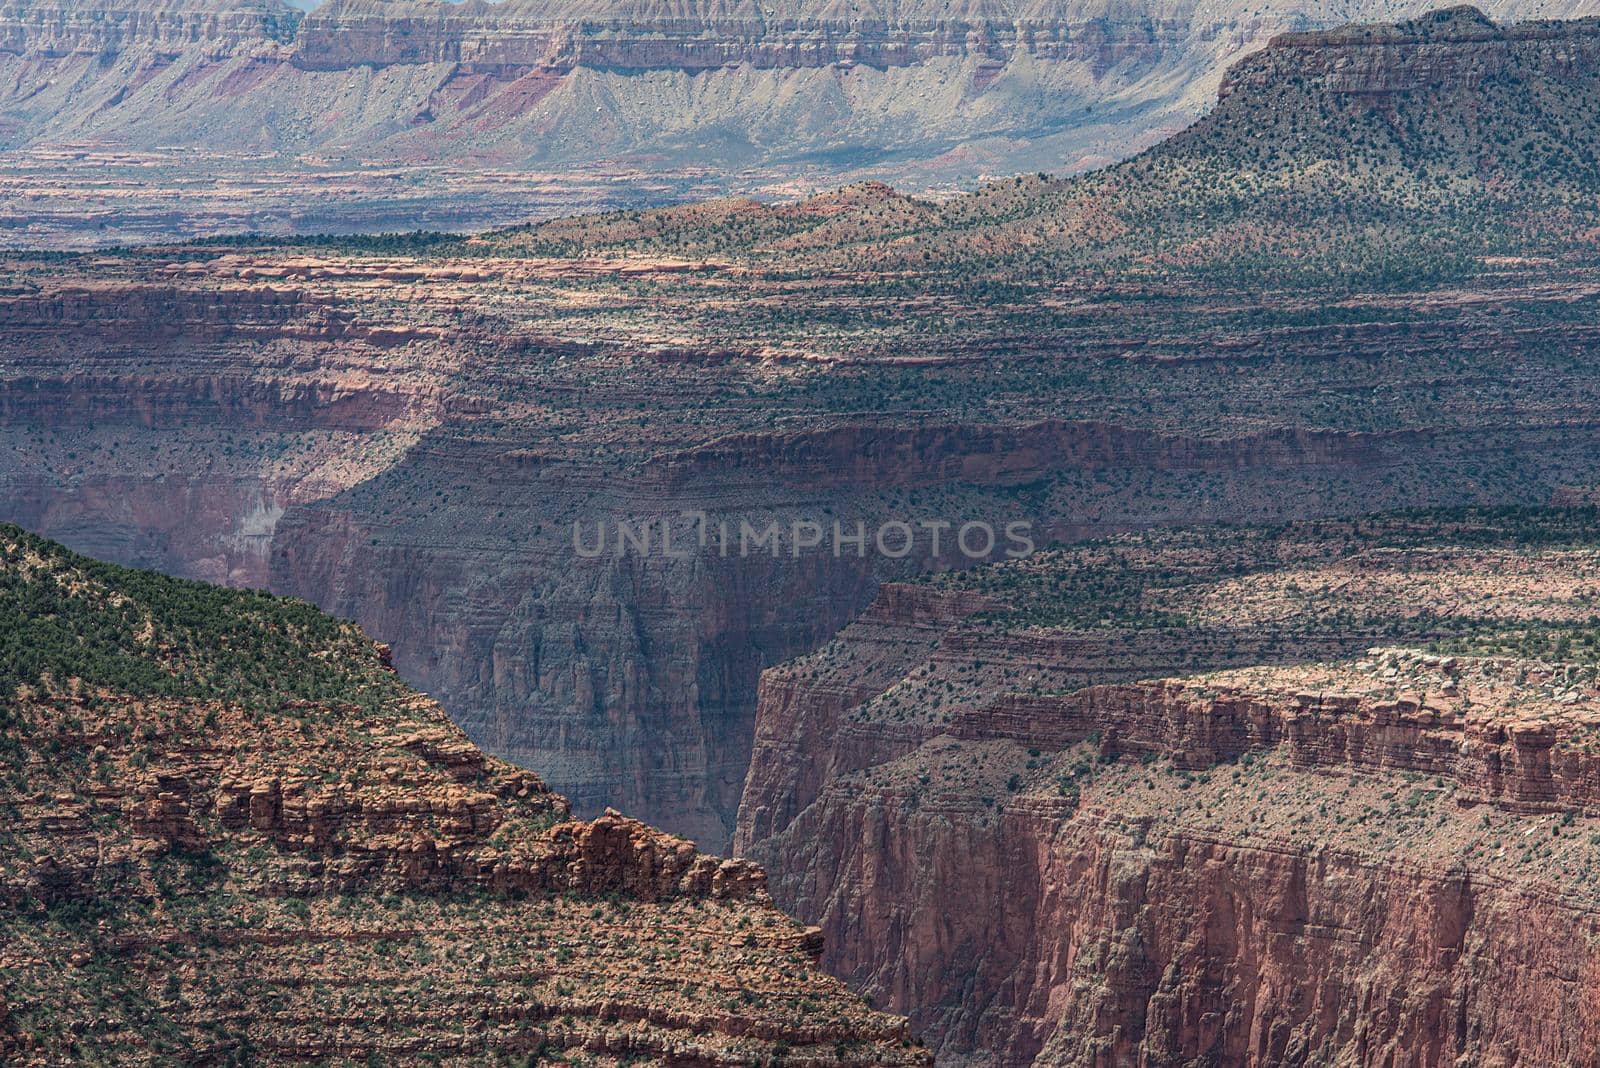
{"points": [[1449, 92], [1399, 151], [780, 96]]}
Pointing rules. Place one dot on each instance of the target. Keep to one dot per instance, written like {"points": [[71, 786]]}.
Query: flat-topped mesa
{"points": [[1262, 822], [1411, 113], [1520, 734], [685, 36], [689, 98], [1359, 760], [1455, 49], [688, 35]]}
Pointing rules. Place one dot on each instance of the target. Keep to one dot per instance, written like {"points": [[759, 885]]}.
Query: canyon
{"points": [[413, 447], [315, 863], [408, 431], [1278, 751], [135, 120]]}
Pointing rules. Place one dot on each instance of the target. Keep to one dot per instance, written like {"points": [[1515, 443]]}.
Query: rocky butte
{"points": [[128, 119], [232, 835]]}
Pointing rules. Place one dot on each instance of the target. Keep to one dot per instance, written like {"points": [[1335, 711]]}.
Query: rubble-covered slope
{"points": [[231, 835]]}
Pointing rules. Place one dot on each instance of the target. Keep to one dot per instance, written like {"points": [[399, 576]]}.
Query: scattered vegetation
{"points": [[72, 623]]}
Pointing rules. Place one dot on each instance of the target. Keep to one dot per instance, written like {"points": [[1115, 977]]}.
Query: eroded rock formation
{"points": [[1358, 860], [412, 446], [482, 113], [202, 862]]}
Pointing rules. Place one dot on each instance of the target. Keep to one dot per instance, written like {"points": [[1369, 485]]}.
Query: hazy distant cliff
{"points": [[918, 91]]}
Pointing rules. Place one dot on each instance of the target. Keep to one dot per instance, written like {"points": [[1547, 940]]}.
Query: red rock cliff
{"points": [[1358, 862]]}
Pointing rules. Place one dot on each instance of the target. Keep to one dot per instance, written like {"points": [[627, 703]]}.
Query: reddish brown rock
{"points": [[344, 878], [1353, 861]]}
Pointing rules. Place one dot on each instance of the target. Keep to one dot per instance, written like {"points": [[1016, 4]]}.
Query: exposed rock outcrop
{"points": [[199, 866], [1454, 50], [411, 430], [1354, 861], [403, 442]]}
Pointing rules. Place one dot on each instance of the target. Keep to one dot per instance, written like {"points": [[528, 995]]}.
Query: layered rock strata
{"points": [[1354, 860], [267, 876]]}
